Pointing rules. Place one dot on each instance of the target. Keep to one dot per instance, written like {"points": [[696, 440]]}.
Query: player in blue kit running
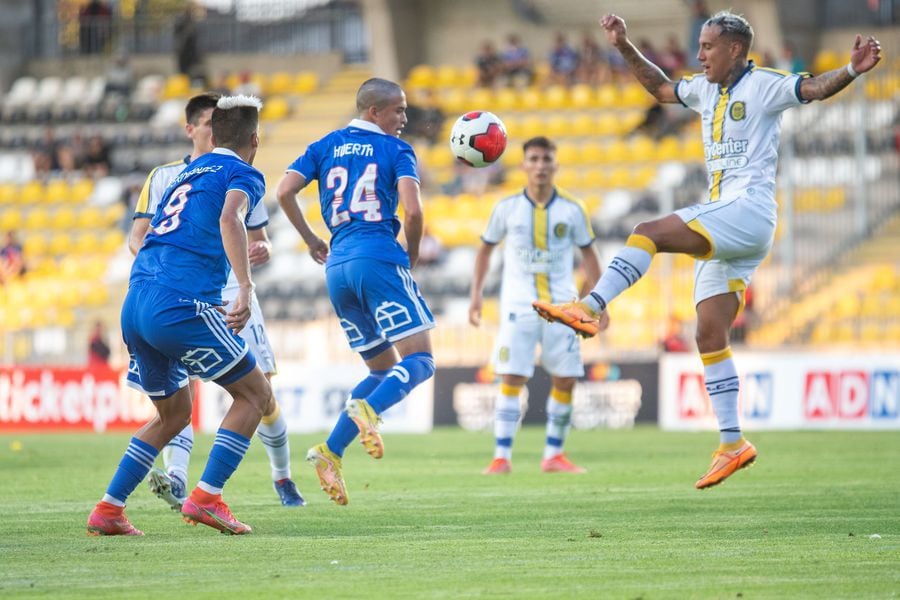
{"points": [[175, 326], [364, 171]]}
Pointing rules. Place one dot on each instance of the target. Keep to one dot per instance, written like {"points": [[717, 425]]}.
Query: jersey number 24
{"points": [[363, 199]]}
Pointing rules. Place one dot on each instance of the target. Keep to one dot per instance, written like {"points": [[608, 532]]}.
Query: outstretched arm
{"points": [[649, 75], [863, 58]]}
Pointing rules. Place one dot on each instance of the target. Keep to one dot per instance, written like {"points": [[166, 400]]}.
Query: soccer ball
{"points": [[478, 138]]}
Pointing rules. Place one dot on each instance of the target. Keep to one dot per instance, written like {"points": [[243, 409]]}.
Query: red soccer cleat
{"points": [[211, 510], [109, 519], [498, 466], [560, 464]]}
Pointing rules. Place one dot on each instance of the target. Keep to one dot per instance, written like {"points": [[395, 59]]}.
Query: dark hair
{"points": [[539, 142], [734, 27], [376, 92], [233, 127], [198, 104]]}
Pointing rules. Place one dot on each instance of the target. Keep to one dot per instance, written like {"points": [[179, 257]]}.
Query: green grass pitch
{"points": [[817, 517]]}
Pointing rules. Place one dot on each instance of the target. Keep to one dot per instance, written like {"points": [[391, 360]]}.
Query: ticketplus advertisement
{"points": [[788, 391]]}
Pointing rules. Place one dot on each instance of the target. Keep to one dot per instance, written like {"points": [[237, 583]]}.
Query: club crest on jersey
{"points": [[738, 111], [503, 355], [559, 230]]}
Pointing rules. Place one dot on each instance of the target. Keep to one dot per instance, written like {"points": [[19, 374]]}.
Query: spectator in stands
{"points": [[563, 61], [672, 59], [425, 119], [517, 67], [119, 77], [246, 85], [700, 14], [789, 60], [96, 157], [70, 153], [98, 348], [12, 260], [674, 340], [661, 120], [593, 68], [45, 153], [94, 24], [489, 64], [187, 44]]}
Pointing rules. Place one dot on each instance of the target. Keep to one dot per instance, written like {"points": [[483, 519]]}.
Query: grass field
{"points": [[423, 522]]}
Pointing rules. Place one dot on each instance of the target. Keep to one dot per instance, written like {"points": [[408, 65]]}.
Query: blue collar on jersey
{"points": [[549, 202], [367, 125], [750, 67]]}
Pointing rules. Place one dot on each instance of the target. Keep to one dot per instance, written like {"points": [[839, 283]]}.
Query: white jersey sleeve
{"points": [[496, 227], [689, 91], [259, 216], [782, 91]]}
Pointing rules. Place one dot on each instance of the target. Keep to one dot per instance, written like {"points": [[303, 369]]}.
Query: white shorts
{"points": [[515, 346], [254, 333], [740, 233]]}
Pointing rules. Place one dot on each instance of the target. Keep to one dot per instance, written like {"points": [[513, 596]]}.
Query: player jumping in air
{"points": [[174, 325], [364, 171], [731, 233]]}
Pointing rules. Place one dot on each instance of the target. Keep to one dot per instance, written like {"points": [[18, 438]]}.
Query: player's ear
{"points": [[212, 139], [372, 112], [254, 139]]}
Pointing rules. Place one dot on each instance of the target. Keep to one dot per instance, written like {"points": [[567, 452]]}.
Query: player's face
{"points": [[540, 166], [717, 54], [201, 132], [391, 117]]}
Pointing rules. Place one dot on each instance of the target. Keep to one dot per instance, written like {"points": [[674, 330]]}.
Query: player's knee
{"points": [[420, 366]]}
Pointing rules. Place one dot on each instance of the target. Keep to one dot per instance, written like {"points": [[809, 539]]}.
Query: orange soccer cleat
{"points": [[362, 413], [109, 519], [576, 315], [726, 461], [328, 469], [498, 466], [560, 464], [211, 510]]}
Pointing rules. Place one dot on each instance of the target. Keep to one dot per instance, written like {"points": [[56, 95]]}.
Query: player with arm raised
{"points": [[364, 171], [541, 227], [731, 232], [170, 483], [175, 327]]}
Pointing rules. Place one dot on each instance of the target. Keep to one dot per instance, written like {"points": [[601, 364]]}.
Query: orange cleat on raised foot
{"points": [[109, 519], [211, 510], [560, 464], [726, 461], [498, 466], [362, 413], [328, 469], [576, 315]]}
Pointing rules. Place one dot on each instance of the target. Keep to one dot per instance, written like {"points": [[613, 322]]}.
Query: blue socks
{"points": [[407, 374], [134, 466], [227, 452], [345, 430]]}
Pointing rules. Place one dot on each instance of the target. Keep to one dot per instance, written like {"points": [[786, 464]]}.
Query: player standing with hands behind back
{"points": [[731, 233], [364, 171]]}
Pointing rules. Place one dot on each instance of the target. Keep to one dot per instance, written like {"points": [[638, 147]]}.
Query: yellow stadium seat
{"points": [[641, 149], [31, 193], [448, 76], [826, 60], [513, 156], [582, 96], [594, 178], [56, 191], [582, 125], [278, 84], [608, 96], [481, 99], [668, 149], [468, 75], [530, 99], [60, 244], [642, 177], [111, 241], [567, 154], [113, 215], [617, 151], [90, 217], [692, 148], [86, 243], [506, 99], [532, 126], [305, 82], [592, 153], [440, 157], [34, 246], [274, 109], [63, 219], [556, 97], [516, 179], [37, 218], [620, 177], [453, 101], [177, 86], [557, 126], [421, 76], [81, 190], [607, 124], [568, 178], [512, 124], [10, 218], [8, 193]]}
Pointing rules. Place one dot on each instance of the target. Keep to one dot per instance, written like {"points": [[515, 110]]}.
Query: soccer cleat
{"points": [[214, 513], [167, 487], [328, 469], [287, 491], [109, 519], [498, 466], [362, 413], [560, 464], [576, 315], [726, 462]]}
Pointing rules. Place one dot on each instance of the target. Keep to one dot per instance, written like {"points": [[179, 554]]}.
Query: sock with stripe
{"points": [[723, 386], [134, 466], [559, 418], [629, 265], [227, 452], [400, 381], [176, 455], [272, 432], [507, 412], [345, 429]]}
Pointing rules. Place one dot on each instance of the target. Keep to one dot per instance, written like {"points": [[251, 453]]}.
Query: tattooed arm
{"points": [[649, 75], [863, 58]]}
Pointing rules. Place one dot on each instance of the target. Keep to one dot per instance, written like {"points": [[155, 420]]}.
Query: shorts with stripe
{"points": [[376, 301], [171, 337], [740, 234], [519, 335]]}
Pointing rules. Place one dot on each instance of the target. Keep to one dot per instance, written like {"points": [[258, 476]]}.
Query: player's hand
{"points": [[238, 312], [475, 313], [615, 29], [260, 252], [865, 56], [318, 249]]}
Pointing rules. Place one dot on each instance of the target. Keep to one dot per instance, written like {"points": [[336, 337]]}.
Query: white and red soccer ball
{"points": [[478, 138]]}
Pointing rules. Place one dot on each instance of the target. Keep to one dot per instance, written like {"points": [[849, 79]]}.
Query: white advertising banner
{"points": [[788, 391], [312, 397]]}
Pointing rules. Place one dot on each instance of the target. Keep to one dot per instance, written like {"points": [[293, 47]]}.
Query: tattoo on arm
{"points": [[649, 75], [825, 85]]}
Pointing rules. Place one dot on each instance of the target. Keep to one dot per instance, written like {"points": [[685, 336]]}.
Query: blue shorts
{"points": [[376, 301], [171, 338]]}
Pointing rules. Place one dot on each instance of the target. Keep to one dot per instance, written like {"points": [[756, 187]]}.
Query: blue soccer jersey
{"points": [[358, 168], [183, 248]]}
